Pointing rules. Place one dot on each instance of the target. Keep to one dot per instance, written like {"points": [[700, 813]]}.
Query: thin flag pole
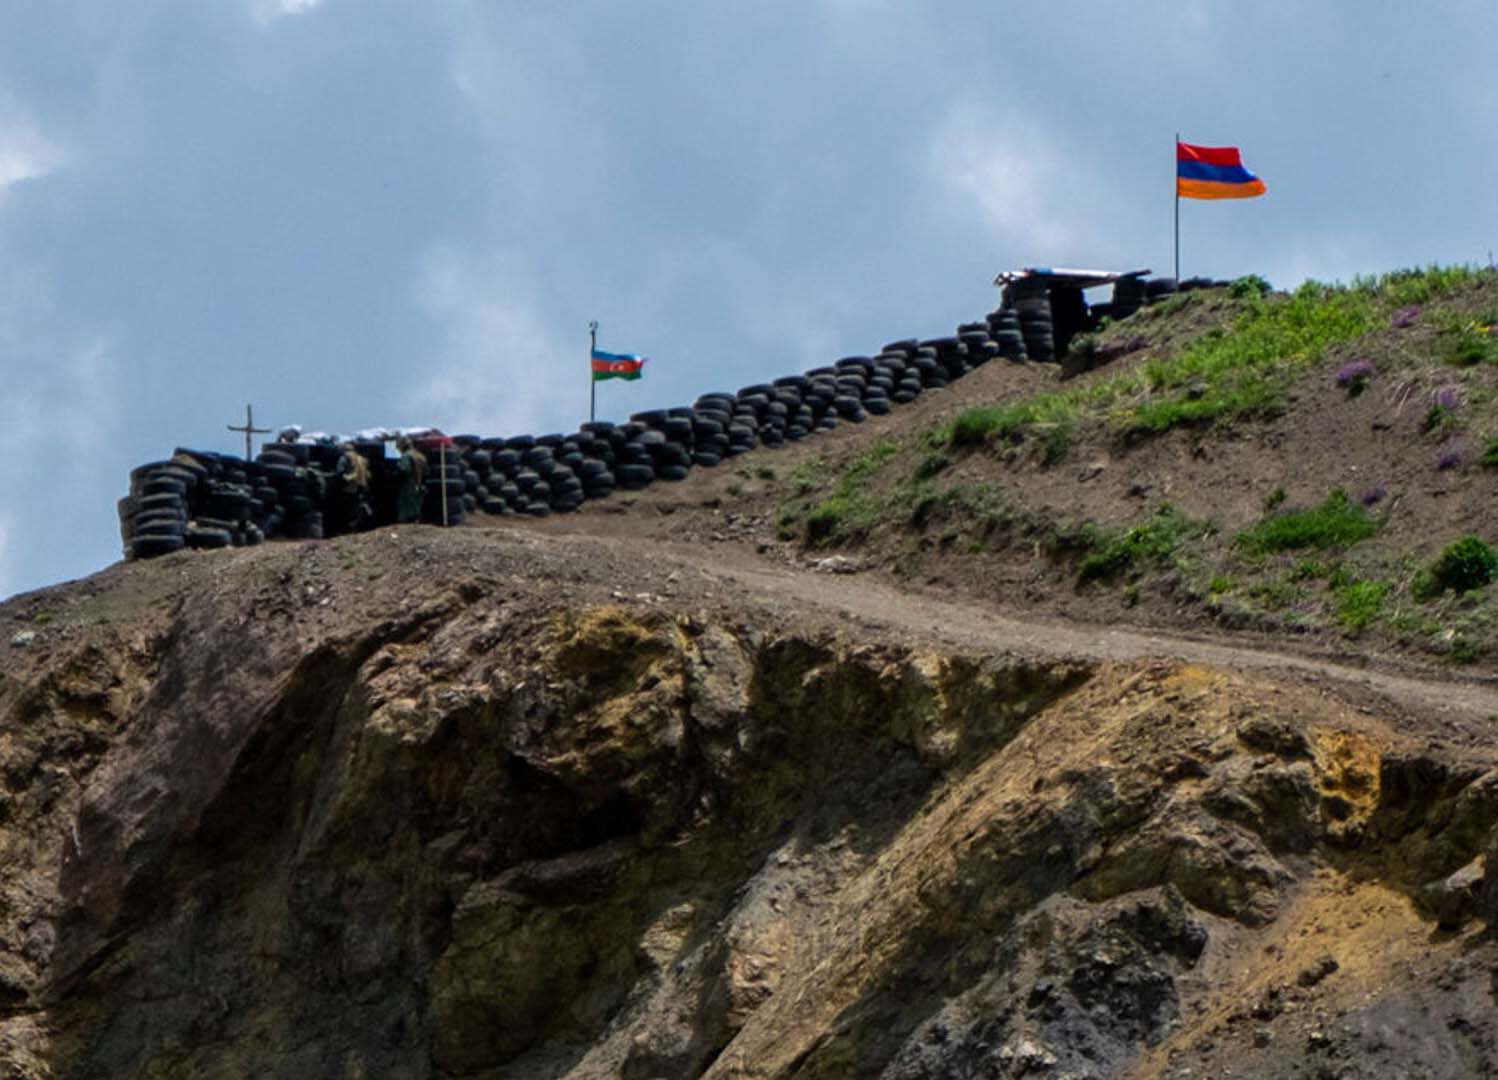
{"points": [[1176, 186], [592, 382]]}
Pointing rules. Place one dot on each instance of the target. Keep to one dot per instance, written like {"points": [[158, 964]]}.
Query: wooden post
{"points": [[249, 429]]}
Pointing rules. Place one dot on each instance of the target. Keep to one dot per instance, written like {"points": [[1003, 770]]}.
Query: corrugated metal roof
{"points": [[1058, 275]]}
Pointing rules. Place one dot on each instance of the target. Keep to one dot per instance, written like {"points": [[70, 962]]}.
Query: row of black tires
{"points": [[546, 474], [200, 499]]}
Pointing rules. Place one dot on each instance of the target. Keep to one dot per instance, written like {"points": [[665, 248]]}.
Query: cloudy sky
{"points": [[361, 212]]}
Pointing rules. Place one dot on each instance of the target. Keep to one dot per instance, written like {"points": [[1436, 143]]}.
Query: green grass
{"points": [[1400, 288], [1240, 372], [1310, 568], [1169, 306], [1275, 595], [995, 423], [806, 477], [1464, 651], [1438, 420], [1111, 552], [1468, 344], [1337, 522], [850, 508], [930, 465], [1358, 603]]}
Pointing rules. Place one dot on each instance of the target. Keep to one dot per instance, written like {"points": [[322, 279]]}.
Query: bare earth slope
{"points": [[513, 803]]}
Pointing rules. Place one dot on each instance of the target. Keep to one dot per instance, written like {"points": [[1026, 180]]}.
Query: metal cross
{"points": [[249, 429]]}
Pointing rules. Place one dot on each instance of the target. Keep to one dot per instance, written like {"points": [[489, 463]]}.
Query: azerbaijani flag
{"points": [[607, 365], [1214, 172]]}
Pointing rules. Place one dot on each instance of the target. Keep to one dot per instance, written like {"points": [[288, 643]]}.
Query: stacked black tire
{"points": [[1128, 297], [541, 475], [155, 516], [294, 489], [198, 499], [1004, 327], [202, 499], [1158, 289], [1031, 301]]}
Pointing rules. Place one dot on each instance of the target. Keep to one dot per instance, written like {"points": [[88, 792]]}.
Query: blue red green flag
{"points": [[607, 365], [1214, 172]]}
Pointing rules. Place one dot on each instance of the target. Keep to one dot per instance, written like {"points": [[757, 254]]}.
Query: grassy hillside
{"points": [[1320, 461]]}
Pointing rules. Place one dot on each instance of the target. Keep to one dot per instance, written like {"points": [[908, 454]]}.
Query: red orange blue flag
{"points": [[1214, 172]]}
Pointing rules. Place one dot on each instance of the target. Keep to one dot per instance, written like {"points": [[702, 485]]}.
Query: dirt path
{"points": [[1465, 708]]}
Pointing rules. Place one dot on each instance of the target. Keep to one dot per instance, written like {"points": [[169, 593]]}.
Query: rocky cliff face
{"points": [[305, 813]]}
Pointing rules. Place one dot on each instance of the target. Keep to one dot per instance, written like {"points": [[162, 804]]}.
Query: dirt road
{"points": [[1466, 707]]}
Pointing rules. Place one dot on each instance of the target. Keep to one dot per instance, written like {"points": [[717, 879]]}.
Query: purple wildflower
{"points": [[1405, 317], [1452, 456], [1446, 399], [1373, 495], [1353, 376]]}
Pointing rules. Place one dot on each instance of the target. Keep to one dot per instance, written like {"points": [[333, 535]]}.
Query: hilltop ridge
{"points": [[1022, 731]]}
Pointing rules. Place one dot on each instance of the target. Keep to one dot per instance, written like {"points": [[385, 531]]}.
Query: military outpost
{"points": [[308, 486]]}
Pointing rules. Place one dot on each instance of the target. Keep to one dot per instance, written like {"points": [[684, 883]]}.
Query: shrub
{"points": [[1463, 651], [1249, 286], [1337, 522], [1489, 459], [1468, 563]]}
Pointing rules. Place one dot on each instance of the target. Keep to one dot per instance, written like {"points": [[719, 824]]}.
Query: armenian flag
{"points": [[607, 365], [1214, 172]]}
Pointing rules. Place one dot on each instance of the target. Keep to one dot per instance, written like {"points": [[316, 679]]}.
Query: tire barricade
{"points": [[202, 499]]}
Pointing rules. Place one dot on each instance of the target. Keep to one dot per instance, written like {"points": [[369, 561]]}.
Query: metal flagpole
{"points": [[1176, 185], [592, 382]]}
